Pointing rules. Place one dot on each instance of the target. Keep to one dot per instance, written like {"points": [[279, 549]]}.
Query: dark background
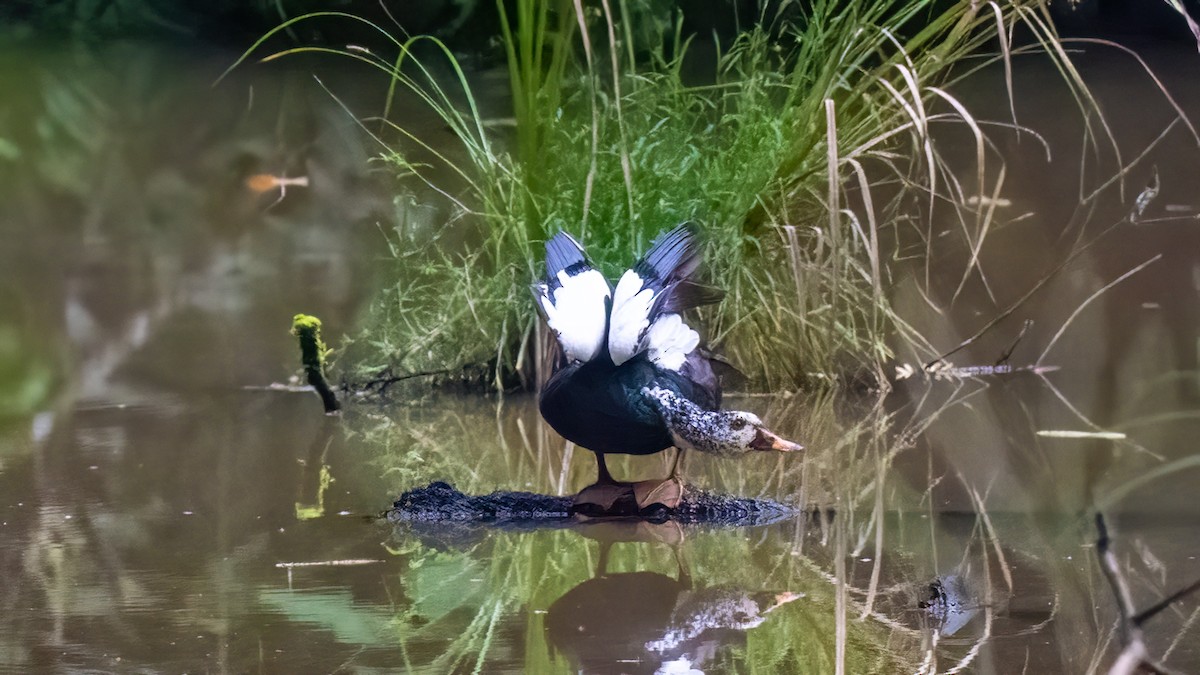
{"points": [[469, 25]]}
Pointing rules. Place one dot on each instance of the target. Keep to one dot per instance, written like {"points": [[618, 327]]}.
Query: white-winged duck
{"points": [[632, 378]]}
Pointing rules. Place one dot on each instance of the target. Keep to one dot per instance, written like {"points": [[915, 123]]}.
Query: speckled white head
{"points": [[717, 432]]}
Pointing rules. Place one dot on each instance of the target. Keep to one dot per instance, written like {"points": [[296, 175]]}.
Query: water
{"points": [[156, 516]]}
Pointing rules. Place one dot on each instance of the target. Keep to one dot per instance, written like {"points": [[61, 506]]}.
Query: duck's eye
{"points": [[737, 423]]}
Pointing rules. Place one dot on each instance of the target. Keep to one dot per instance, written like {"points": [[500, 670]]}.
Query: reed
{"points": [[810, 155]]}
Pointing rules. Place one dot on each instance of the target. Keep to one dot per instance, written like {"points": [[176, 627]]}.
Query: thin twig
{"points": [[386, 380], [1004, 357], [1134, 656], [1148, 613]]}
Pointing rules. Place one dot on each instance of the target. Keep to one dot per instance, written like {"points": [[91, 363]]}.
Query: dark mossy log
{"points": [[312, 355], [441, 503]]}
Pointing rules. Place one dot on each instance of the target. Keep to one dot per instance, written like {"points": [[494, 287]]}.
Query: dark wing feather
{"points": [[674, 255], [563, 253], [683, 295], [667, 268]]}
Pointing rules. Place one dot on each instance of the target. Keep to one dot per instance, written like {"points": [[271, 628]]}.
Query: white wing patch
{"points": [[576, 312], [669, 341], [630, 317]]}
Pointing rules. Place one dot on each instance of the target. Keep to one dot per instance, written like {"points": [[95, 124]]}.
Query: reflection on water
{"points": [[650, 622], [147, 501]]}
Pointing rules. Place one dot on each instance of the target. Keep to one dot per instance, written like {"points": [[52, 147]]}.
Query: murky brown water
{"points": [[155, 515]]}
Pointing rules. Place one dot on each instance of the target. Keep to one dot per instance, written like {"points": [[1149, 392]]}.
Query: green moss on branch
{"points": [[312, 354]]}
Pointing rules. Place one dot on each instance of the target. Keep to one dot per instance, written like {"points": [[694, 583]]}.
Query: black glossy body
{"points": [[600, 406]]}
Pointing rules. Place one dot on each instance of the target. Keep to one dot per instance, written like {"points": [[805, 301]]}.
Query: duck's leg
{"points": [[665, 491], [674, 475], [602, 474], [605, 497]]}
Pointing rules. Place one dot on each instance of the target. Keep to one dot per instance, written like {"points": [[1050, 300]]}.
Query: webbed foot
{"points": [[651, 499], [665, 491], [604, 498]]}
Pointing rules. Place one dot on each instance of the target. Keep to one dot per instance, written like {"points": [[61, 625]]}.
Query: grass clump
{"points": [[799, 154]]}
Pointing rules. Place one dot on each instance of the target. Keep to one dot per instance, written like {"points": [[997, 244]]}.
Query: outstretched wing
{"points": [[573, 298], [648, 299]]}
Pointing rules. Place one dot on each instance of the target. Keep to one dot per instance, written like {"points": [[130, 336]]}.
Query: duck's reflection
{"points": [[646, 622]]}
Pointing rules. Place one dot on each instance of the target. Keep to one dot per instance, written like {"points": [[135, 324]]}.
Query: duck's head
{"points": [[717, 432]]}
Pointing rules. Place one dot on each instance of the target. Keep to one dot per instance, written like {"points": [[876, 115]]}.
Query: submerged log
{"points": [[441, 503]]}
